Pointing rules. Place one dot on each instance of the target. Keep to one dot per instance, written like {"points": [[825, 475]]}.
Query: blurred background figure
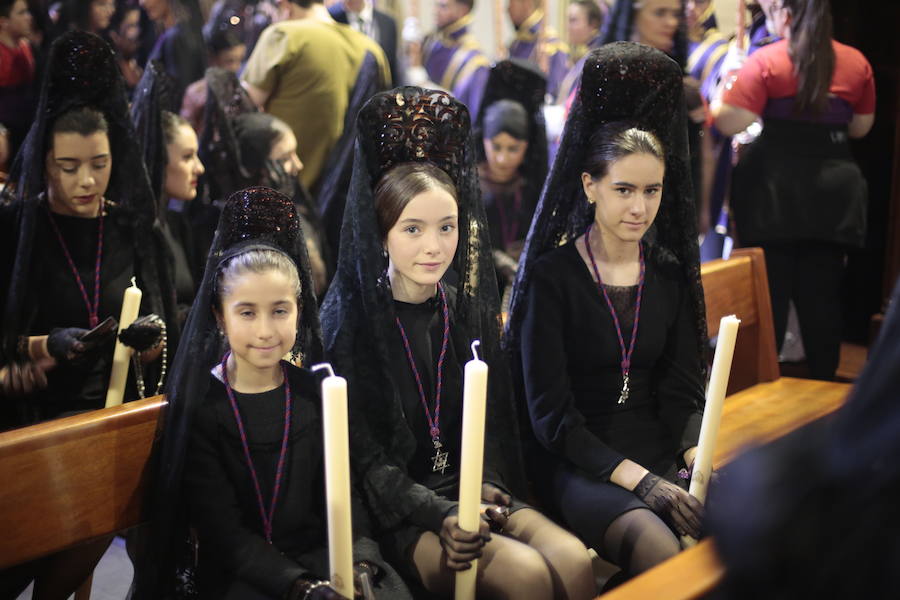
{"points": [[364, 17], [226, 50], [450, 58], [537, 42], [179, 47], [17, 71], [584, 18], [797, 191]]}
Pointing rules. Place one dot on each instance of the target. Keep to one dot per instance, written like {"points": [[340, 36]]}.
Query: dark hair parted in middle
{"points": [[83, 120], [401, 184], [616, 140], [506, 116]]}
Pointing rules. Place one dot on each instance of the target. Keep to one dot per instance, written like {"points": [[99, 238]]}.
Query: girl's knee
{"points": [[519, 572]]}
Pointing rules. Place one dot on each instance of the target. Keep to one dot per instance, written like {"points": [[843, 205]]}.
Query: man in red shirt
{"points": [[16, 69]]}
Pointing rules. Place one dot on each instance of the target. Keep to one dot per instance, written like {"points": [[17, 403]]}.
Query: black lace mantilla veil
{"points": [[623, 81], [82, 71], [153, 95], [219, 147], [402, 125], [522, 81], [252, 218]]}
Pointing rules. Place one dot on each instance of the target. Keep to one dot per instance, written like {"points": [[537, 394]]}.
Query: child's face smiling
{"points": [[259, 316]]}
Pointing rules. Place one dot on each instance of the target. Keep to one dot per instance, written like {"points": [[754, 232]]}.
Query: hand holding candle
{"points": [[712, 413], [337, 481], [131, 305], [474, 407]]}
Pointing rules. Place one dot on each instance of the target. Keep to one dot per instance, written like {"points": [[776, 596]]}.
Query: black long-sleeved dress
{"points": [[223, 503], [572, 374], [391, 445]]}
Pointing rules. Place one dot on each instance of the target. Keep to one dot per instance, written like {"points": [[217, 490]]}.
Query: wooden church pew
{"points": [[75, 479]]}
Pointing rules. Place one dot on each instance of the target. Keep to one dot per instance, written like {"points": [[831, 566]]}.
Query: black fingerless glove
{"points": [[145, 333], [66, 345]]}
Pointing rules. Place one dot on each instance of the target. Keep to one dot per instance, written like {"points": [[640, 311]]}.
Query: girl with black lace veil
{"points": [[242, 458], [414, 287], [512, 157], [79, 229], [607, 317], [170, 155], [82, 224]]}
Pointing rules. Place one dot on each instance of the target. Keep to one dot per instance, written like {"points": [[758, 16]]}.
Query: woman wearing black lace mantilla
{"points": [[415, 286], [607, 314]]}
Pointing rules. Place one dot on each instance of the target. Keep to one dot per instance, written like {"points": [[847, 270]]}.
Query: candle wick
{"points": [[324, 366], [133, 282], [475, 344]]}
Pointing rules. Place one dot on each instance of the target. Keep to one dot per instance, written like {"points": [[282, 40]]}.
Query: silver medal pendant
{"points": [[439, 459], [624, 395]]}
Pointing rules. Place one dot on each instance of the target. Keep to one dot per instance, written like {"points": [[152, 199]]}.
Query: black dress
{"points": [[572, 374], [53, 300], [234, 556], [418, 498]]}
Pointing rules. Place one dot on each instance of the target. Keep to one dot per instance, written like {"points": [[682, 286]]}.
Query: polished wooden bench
{"points": [[760, 407], [75, 479]]}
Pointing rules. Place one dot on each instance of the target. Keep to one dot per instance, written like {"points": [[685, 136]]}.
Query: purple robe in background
{"points": [[706, 54], [525, 46], [572, 80], [454, 60]]}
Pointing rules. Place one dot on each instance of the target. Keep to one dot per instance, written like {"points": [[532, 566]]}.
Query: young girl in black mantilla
{"points": [[253, 461], [400, 331], [607, 316]]}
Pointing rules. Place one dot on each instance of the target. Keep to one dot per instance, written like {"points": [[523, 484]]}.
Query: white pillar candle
{"points": [[337, 481], [472, 461], [118, 377], [712, 413]]}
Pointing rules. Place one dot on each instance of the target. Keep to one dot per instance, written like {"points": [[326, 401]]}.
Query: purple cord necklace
{"points": [[92, 308], [440, 459], [626, 355], [267, 516]]}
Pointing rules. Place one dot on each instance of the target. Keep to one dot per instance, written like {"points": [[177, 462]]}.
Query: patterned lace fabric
{"points": [[623, 298]]}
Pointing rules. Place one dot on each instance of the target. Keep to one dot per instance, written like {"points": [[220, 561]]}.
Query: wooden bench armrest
{"points": [[74, 479]]}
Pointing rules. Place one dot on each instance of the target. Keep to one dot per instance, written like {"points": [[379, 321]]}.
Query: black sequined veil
{"points": [[403, 125], [622, 81], [82, 72], [255, 217]]}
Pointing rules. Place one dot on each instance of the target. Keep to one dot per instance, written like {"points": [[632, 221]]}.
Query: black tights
{"points": [[638, 540]]}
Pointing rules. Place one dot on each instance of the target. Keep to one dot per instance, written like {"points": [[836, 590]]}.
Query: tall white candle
{"points": [[472, 461], [337, 481], [712, 413], [131, 305]]}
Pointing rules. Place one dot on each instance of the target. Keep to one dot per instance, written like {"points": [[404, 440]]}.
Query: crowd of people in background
{"points": [[246, 163]]}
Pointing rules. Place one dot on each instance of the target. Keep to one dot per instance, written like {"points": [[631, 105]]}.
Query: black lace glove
{"points": [[66, 345], [145, 333], [679, 509]]}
